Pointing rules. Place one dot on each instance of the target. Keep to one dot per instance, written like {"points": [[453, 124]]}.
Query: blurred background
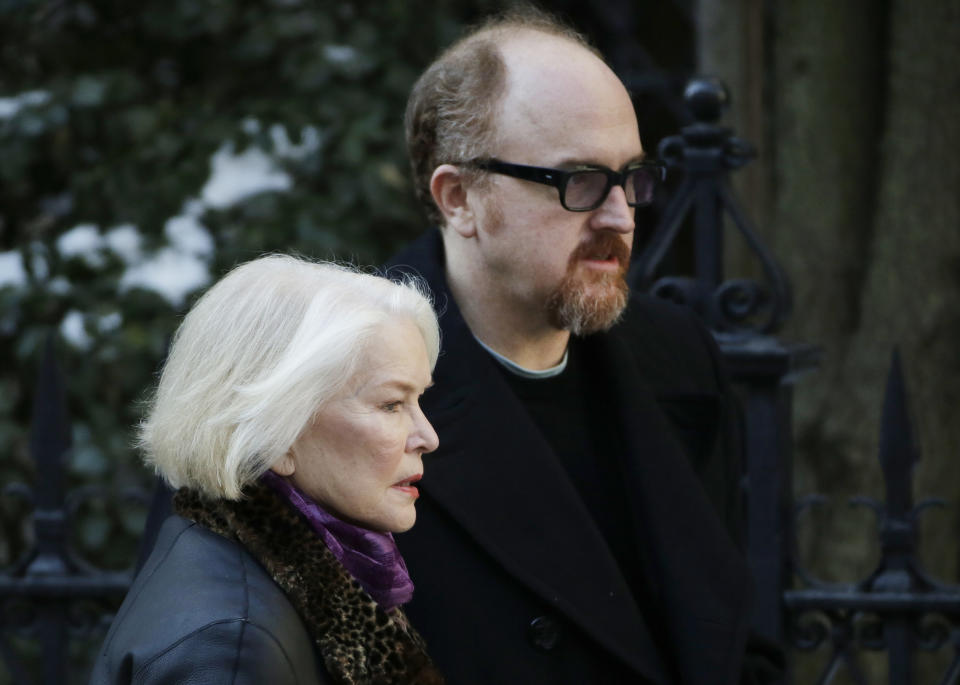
{"points": [[147, 147]]}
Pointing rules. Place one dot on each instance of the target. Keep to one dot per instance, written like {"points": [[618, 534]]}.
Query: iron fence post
{"points": [[743, 314], [41, 595], [764, 371], [49, 444]]}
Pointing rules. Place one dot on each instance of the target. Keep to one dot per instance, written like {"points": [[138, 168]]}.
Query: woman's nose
{"points": [[424, 438]]}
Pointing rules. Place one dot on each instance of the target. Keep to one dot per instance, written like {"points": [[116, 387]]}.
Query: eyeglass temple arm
{"points": [[549, 177]]}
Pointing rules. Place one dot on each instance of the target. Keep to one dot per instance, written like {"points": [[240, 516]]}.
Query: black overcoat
{"points": [[515, 583]]}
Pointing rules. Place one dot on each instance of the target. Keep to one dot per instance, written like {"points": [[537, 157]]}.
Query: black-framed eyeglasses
{"points": [[586, 187]]}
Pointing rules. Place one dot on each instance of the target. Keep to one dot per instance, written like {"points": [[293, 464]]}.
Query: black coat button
{"points": [[544, 633]]}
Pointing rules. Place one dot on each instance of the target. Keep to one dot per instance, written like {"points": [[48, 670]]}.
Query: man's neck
{"points": [[523, 337]]}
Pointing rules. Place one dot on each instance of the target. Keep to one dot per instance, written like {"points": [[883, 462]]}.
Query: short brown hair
{"points": [[451, 110]]}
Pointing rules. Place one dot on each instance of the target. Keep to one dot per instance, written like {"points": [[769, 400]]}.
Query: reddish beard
{"points": [[587, 301]]}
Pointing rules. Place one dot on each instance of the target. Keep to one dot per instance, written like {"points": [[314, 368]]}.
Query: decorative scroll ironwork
{"points": [[51, 595], [705, 152], [811, 630], [899, 608]]}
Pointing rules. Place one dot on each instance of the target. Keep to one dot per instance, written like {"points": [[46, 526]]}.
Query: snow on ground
{"points": [[170, 273], [340, 54], [125, 242], [187, 235], [73, 331], [182, 267], [238, 176], [12, 272], [10, 106], [83, 241], [285, 149]]}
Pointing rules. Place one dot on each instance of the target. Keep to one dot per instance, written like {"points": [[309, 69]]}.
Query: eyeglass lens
{"points": [[585, 189]]}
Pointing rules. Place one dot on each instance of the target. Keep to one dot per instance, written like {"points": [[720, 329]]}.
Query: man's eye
{"points": [[392, 406], [585, 178]]}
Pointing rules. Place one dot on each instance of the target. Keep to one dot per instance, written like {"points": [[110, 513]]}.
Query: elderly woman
{"points": [[288, 417]]}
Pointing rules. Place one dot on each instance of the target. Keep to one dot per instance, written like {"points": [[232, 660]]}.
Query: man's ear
{"points": [[285, 465], [450, 195]]}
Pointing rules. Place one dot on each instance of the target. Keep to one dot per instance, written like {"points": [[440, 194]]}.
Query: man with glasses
{"points": [[577, 523]]}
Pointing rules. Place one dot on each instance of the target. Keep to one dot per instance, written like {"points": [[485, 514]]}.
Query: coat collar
{"points": [[358, 641], [518, 503]]}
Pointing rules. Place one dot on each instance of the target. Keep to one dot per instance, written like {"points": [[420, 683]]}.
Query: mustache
{"points": [[605, 244]]}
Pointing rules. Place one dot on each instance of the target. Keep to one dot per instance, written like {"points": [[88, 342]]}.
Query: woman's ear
{"points": [[450, 196], [285, 465]]}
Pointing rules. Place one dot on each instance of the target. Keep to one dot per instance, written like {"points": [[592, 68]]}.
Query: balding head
{"points": [[558, 100], [452, 111]]}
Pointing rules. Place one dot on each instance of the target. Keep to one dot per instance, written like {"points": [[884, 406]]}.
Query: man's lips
{"points": [[601, 261], [407, 486], [605, 252], [606, 261]]}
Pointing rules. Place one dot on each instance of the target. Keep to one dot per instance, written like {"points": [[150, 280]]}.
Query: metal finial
{"points": [[898, 451], [706, 153], [706, 97]]}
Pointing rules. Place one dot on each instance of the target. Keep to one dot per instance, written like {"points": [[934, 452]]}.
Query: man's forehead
{"points": [[560, 94], [541, 52]]}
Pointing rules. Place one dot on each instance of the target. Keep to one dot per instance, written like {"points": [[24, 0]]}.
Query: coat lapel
{"points": [[697, 572]]}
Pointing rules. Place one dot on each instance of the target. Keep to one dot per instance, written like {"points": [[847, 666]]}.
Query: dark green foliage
{"points": [[127, 104], [131, 101]]}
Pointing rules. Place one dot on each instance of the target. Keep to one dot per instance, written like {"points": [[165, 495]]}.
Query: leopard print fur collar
{"points": [[359, 642]]}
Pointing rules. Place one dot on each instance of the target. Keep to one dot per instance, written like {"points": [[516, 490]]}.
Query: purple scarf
{"points": [[372, 558]]}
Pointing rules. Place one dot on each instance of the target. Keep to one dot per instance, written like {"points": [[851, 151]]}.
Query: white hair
{"points": [[257, 356]]}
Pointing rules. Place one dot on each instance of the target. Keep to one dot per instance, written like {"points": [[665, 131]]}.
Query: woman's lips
{"points": [[407, 486]]}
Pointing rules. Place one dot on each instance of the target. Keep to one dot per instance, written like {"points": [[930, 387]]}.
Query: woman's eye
{"points": [[392, 406]]}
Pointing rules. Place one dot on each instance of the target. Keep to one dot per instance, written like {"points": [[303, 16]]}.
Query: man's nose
{"points": [[614, 214]]}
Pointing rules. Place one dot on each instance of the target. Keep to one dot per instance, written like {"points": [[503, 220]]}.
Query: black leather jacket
{"points": [[202, 610]]}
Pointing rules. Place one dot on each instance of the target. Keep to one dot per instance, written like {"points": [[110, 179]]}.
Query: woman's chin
{"points": [[394, 522], [403, 521]]}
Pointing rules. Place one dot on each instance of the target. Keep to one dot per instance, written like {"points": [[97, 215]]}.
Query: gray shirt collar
{"points": [[523, 372]]}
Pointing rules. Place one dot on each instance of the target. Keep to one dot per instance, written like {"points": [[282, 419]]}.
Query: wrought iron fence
{"points": [[52, 599], [899, 608], [51, 596]]}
